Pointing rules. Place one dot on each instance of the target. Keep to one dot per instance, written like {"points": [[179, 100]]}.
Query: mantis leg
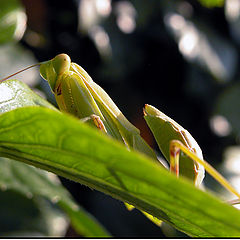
{"points": [[175, 148], [234, 202], [174, 158], [96, 121]]}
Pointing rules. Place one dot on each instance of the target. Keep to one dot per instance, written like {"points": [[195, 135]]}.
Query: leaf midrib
{"points": [[97, 180]]}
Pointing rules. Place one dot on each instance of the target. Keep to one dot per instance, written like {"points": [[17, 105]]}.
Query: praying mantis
{"points": [[77, 94]]}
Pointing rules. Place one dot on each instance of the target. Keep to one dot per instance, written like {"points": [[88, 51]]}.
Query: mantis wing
{"points": [[129, 132]]}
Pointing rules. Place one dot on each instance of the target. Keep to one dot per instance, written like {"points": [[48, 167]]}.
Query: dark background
{"points": [[145, 66]]}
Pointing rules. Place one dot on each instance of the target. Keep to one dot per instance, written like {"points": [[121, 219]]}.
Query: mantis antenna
{"points": [[234, 202], [34, 65]]}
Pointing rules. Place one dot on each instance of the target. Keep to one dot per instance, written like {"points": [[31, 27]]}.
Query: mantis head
{"points": [[51, 70]]}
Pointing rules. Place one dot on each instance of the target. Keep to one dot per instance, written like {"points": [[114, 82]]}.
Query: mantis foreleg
{"points": [[175, 148]]}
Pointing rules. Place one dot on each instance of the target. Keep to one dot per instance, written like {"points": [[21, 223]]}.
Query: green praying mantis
{"points": [[77, 94]]}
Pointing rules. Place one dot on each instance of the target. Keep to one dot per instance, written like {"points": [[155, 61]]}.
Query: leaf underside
{"points": [[63, 145]]}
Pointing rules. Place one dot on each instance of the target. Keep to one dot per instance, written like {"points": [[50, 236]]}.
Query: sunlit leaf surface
{"points": [[65, 146]]}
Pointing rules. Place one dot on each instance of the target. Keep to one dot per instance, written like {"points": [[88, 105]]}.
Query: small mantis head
{"points": [[52, 69], [49, 70]]}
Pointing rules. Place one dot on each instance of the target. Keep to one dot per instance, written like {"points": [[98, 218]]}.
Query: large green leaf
{"points": [[62, 144], [30, 181]]}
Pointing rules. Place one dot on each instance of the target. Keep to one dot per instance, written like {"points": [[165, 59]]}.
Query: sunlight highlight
{"points": [[126, 15], [103, 7], [232, 9], [101, 39], [197, 46], [220, 126]]}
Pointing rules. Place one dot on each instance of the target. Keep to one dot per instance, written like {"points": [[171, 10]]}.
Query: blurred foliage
{"points": [[28, 217], [12, 21], [179, 56], [212, 3]]}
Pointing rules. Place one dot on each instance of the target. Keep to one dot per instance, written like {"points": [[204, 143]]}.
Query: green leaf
{"points": [[31, 181], [15, 94], [25, 215], [12, 21], [62, 144], [35, 182], [212, 3], [83, 222]]}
